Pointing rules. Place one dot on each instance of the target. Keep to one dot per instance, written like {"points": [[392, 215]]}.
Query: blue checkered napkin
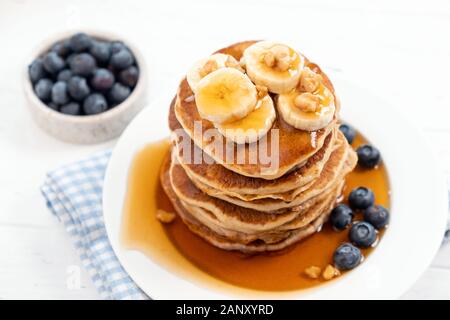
{"points": [[74, 195]]}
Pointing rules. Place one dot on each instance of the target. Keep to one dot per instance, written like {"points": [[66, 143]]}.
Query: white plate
{"points": [[419, 210]]}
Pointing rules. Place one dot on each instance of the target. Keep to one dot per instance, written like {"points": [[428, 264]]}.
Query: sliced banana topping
{"points": [[252, 127], [225, 95], [205, 66], [274, 65], [308, 111]]}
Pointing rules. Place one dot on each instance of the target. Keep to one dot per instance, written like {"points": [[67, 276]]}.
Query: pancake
{"points": [[238, 217], [217, 177], [222, 242], [300, 221], [295, 146], [342, 161]]}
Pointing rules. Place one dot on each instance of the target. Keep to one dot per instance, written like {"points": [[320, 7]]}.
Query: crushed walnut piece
{"points": [[262, 91], [313, 272], [208, 67], [307, 102], [330, 272], [165, 216], [277, 57], [232, 63], [269, 59], [309, 80]]}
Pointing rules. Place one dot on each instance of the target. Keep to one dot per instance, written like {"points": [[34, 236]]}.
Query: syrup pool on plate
{"points": [[178, 249]]}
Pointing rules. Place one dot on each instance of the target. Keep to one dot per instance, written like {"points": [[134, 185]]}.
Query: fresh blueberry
{"points": [[80, 42], [62, 48], [361, 198], [36, 70], [129, 76], [72, 108], [83, 64], [94, 104], [53, 63], [116, 46], [53, 106], [70, 58], [64, 75], [368, 156], [378, 216], [59, 93], [348, 131], [122, 59], [347, 256], [118, 93], [102, 80], [362, 234], [101, 51], [78, 88], [341, 217], [43, 89]]}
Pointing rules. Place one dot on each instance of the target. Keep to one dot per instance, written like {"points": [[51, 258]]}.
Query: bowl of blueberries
{"points": [[85, 87]]}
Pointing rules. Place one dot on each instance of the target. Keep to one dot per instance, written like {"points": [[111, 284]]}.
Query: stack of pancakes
{"points": [[243, 207]]}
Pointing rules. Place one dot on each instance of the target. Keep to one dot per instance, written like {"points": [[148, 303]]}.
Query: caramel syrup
{"points": [[182, 252]]}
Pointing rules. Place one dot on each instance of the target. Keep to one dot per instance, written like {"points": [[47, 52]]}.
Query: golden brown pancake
{"points": [[256, 246], [340, 163], [229, 182], [241, 218]]}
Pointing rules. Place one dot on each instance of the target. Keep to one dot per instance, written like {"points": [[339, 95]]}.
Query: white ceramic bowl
{"points": [[86, 129], [418, 211]]}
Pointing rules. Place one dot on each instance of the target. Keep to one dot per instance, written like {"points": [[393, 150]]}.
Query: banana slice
{"points": [[225, 95], [274, 65], [305, 110], [254, 126], [205, 66]]}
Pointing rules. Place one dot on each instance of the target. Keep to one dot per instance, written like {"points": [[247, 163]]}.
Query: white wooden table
{"points": [[398, 49]]}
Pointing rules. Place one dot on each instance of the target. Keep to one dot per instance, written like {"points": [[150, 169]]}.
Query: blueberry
{"points": [[80, 42], [94, 104], [53, 63], [43, 89], [341, 217], [347, 256], [362, 234], [119, 93], [129, 76], [378, 216], [102, 80], [72, 108], [64, 75], [348, 131], [101, 51], [36, 70], [70, 58], [116, 46], [122, 59], [361, 198], [62, 48], [368, 156], [83, 64], [78, 88], [59, 93]]}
